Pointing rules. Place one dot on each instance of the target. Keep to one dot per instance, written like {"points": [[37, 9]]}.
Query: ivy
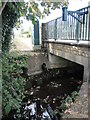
{"points": [[9, 18], [13, 83]]}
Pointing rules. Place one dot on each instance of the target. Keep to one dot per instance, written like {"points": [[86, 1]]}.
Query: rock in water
{"points": [[44, 67]]}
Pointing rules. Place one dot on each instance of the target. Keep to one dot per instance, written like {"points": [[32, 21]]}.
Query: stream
{"points": [[46, 91]]}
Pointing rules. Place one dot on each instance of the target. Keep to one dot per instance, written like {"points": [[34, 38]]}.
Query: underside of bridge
{"points": [[65, 54]]}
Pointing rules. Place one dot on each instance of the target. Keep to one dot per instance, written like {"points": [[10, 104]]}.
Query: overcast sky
{"points": [[73, 5]]}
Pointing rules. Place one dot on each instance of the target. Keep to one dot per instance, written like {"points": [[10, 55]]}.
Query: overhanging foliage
{"points": [[13, 10]]}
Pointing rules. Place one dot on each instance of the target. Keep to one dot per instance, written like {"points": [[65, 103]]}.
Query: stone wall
{"points": [[72, 49], [36, 60]]}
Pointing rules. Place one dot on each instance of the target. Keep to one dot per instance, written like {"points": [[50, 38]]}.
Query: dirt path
{"points": [[22, 44]]}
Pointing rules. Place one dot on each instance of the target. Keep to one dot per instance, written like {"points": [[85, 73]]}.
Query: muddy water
{"points": [[52, 84], [49, 88]]}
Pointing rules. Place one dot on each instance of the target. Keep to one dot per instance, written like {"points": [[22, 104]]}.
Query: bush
{"points": [[74, 95], [13, 83]]}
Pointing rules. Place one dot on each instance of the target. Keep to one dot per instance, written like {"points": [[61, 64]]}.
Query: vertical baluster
{"points": [[55, 29], [86, 26], [74, 26], [51, 30], [64, 30], [58, 29], [76, 29], [83, 24], [71, 28], [60, 22], [61, 29], [47, 31], [68, 28], [80, 28]]}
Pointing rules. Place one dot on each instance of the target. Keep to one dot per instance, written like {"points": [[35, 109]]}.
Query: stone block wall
{"points": [[72, 49]]}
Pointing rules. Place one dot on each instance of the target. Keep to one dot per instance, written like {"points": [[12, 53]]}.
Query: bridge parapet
{"points": [[75, 28]]}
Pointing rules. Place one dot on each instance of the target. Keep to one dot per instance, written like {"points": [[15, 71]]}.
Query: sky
{"points": [[73, 5]]}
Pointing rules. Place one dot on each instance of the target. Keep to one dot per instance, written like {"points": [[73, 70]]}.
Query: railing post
{"points": [[78, 29], [55, 30]]}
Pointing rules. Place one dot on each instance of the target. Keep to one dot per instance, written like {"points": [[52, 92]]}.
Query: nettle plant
{"points": [[12, 82]]}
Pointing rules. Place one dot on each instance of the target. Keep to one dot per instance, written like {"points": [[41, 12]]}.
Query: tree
{"points": [[12, 81], [12, 11]]}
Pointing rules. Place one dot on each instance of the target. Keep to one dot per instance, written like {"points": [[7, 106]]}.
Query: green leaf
{"points": [[7, 109]]}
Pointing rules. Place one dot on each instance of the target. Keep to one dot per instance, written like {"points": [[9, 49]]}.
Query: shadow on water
{"points": [[52, 86], [45, 92]]}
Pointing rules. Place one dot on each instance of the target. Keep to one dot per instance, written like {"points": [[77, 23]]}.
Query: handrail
{"points": [[71, 29]]}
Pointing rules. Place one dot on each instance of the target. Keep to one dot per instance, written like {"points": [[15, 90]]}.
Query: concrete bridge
{"points": [[74, 52], [68, 42], [69, 39]]}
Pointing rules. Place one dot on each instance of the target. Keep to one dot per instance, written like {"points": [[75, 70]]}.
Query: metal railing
{"points": [[75, 28]]}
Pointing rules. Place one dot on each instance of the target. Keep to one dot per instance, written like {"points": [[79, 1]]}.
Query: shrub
{"points": [[13, 83]]}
